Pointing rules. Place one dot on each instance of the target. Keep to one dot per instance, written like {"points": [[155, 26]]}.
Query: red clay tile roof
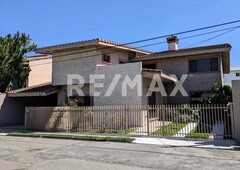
{"points": [[37, 90], [180, 52], [85, 43]]}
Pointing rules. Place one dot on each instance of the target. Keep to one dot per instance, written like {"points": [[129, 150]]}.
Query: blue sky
{"points": [[51, 22]]}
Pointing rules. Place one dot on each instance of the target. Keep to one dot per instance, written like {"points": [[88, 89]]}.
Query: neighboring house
{"points": [[233, 75], [38, 92], [203, 66], [41, 69]]}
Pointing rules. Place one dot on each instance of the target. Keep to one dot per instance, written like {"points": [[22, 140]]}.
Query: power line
{"points": [[184, 32], [132, 20], [140, 46], [164, 36], [212, 38], [192, 36]]}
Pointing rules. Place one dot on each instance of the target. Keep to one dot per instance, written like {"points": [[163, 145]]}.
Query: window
{"points": [[203, 65], [150, 66], [237, 74], [131, 55], [106, 58]]}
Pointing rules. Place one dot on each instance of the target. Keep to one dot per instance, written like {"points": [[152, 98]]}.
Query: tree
{"points": [[221, 94], [12, 67]]}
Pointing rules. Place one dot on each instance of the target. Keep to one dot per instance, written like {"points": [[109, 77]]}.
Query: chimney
{"points": [[172, 43]]}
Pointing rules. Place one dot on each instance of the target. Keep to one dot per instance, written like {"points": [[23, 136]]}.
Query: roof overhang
{"points": [[88, 43], [35, 94], [223, 49], [180, 53], [127, 48], [149, 73], [40, 90]]}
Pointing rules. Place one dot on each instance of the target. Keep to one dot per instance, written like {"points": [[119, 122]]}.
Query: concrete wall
{"points": [[196, 82], [12, 109], [131, 70], [236, 108]]}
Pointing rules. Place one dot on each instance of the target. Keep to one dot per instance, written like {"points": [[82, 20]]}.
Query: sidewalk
{"points": [[168, 142], [210, 143]]}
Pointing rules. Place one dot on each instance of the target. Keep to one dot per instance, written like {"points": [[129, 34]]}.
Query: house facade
{"points": [[199, 67], [233, 75]]}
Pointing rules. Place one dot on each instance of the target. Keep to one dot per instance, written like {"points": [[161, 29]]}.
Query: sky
{"points": [[51, 22]]}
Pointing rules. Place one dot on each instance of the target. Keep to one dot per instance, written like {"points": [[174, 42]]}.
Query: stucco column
{"points": [[236, 108], [62, 96]]}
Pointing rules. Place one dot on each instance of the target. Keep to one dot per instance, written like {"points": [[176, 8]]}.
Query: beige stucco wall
{"points": [[41, 70], [195, 82], [236, 108]]}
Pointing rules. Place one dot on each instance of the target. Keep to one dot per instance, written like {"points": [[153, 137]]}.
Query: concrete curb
{"points": [[72, 138]]}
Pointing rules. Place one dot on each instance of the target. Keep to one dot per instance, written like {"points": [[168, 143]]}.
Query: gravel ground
{"points": [[36, 153]]}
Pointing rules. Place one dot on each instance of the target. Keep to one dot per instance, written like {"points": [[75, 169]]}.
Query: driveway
{"points": [[37, 153]]}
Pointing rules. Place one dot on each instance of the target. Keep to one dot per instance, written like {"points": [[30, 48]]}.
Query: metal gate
{"points": [[189, 121]]}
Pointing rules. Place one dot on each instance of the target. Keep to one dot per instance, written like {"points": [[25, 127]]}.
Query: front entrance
{"points": [[152, 99]]}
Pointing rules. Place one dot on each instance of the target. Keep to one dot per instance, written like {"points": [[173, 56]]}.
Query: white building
{"points": [[233, 75]]}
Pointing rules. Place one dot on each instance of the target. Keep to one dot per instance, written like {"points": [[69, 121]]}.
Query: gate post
{"points": [[163, 117], [232, 120], [148, 133], [126, 109], [236, 109], [26, 117]]}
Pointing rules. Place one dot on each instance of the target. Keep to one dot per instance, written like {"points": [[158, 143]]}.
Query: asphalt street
{"points": [[38, 153]]}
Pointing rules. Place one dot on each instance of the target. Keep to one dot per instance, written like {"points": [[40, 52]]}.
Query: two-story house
{"points": [[201, 67]]}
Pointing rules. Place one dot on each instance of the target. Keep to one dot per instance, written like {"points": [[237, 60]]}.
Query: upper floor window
{"points": [[203, 65], [106, 58], [150, 66], [237, 74], [131, 55]]}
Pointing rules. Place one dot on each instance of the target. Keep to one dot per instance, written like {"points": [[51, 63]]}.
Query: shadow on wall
{"points": [[12, 109]]}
